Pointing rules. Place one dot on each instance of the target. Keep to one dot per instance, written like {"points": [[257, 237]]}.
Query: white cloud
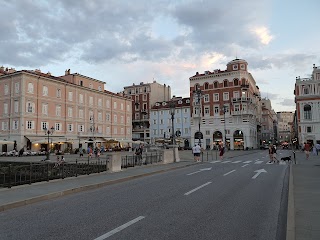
{"points": [[263, 34]]}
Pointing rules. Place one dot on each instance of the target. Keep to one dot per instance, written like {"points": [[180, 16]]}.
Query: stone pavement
{"points": [[304, 195]]}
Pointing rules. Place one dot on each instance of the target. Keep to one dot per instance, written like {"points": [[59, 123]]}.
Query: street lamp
{"points": [[172, 112], [198, 95], [92, 129], [224, 120], [48, 132]]}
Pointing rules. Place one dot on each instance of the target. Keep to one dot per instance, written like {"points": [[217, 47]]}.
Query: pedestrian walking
{"points": [[306, 149], [221, 150], [317, 148], [196, 150]]}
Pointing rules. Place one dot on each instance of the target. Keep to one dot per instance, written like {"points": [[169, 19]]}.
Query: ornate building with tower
{"points": [[226, 106]]}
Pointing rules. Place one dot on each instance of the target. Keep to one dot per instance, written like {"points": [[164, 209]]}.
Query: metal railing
{"points": [[139, 160], [14, 174]]}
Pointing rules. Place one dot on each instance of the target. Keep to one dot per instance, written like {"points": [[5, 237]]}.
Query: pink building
{"points": [[76, 107]]}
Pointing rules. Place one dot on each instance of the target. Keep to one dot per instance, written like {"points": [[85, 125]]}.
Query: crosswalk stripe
{"points": [[258, 162], [225, 161], [215, 161], [247, 162], [236, 161]]}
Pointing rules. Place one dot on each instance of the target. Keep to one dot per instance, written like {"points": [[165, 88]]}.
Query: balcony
{"points": [[144, 111], [242, 99], [244, 86]]}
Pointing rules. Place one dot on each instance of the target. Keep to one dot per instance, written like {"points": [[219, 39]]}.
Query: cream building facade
{"points": [[76, 107], [307, 99]]}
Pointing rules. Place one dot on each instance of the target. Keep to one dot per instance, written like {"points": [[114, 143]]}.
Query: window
{"points": [[128, 130], [206, 85], [121, 106], [185, 120], [215, 84], [80, 113], [122, 130], [216, 97], [70, 112], [80, 98], [16, 106], [90, 85], [44, 91], [128, 108], [30, 87], [4, 126], [6, 89], [44, 125], [81, 83], [115, 130], [108, 103], [235, 82], [206, 98], [237, 108], [58, 127], [186, 110], [122, 119], [154, 131], [45, 108], [100, 88], [115, 118], [186, 130], [236, 94], [70, 96], [108, 117], [30, 107], [226, 109], [128, 119], [90, 101], [17, 87], [305, 90], [225, 96], [80, 128], [108, 130], [225, 83], [207, 132], [5, 108], [155, 121], [58, 93], [242, 67], [309, 129], [30, 125], [144, 97], [58, 111], [15, 124], [161, 131], [99, 116], [307, 112], [216, 110], [70, 127], [207, 110], [235, 67], [161, 121]]}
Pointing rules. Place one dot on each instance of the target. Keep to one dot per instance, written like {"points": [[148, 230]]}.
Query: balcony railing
{"points": [[244, 86], [242, 99]]}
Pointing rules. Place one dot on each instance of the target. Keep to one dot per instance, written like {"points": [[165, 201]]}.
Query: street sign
{"points": [[178, 133], [198, 135]]}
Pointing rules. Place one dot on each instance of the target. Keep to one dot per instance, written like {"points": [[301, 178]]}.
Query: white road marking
{"points": [[228, 173], [258, 173], [225, 161], [245, 165], [118, 229], [247, 162], [269, 163], [236, 161], [215, 161], [204, 169], [193, 190], [258, 162], [257, 159]]}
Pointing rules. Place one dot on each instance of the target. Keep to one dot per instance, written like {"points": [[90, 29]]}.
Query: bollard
{"points": [[76, 167], [9, 173], [294, 157]]}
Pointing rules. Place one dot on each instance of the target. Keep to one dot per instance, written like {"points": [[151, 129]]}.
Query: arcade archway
{"points": [[238, 140]]}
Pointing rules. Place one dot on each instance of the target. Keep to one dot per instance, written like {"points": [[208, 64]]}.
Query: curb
{"points": [[291, 210], [82, 188]]}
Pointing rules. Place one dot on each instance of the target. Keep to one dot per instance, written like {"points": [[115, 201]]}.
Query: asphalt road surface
{"points": [[239, 198]]}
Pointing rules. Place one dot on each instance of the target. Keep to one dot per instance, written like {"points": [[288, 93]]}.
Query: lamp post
{"points": [[198, 95], [172, 112], [224, 122], [92, 129], [48, 132]]}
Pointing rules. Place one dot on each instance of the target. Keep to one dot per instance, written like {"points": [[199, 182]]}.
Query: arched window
{"points": [[307, 112], [235, 82], [206, 85], [215, 84], [197, 87], [225, 83]]}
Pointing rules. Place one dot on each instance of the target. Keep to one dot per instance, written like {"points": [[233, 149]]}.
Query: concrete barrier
{"points": [[168, 156], [115, 162]]}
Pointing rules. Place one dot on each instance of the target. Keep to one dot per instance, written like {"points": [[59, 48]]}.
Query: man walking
{"points": [[196, 150]]}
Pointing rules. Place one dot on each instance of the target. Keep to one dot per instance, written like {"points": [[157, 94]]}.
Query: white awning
{"points": [[6, 142]]}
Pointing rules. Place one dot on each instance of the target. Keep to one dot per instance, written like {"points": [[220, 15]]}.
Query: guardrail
{"points": [[138, 160], [14, 174]]}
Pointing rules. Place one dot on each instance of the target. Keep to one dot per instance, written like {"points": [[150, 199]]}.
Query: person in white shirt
{"points": [[196, 150]]}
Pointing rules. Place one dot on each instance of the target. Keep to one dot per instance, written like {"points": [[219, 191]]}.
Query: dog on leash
{"points": [[286, 159]]}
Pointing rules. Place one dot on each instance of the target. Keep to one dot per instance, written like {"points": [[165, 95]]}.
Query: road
{"points": [[244, 198]]}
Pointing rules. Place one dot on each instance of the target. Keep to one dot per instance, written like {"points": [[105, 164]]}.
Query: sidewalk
{"points": [[306, 193]]}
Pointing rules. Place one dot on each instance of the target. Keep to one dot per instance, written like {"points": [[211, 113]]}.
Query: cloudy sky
{"points": [[126, 42]]}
